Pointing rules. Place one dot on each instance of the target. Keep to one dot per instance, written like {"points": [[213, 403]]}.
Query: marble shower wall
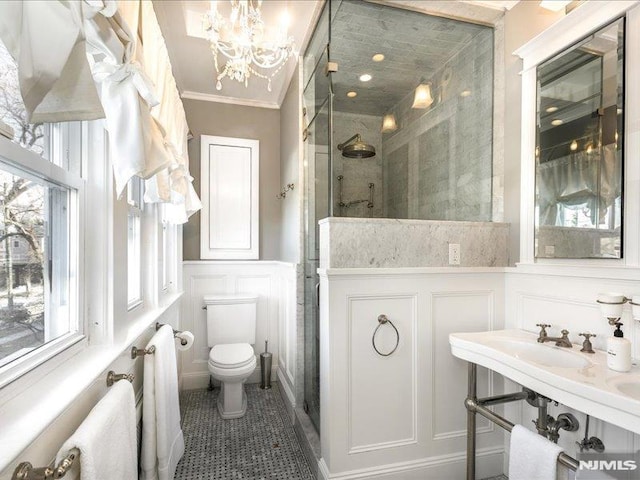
{"points": [[357, 173], [438, 164]]}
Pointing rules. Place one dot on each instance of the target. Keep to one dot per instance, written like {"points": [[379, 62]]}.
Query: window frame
{"points": [[16, 156], [136, 210]]}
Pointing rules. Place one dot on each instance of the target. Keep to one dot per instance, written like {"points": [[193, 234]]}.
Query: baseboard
{"points": [[488, 464], [199, 380], [284, 385]]}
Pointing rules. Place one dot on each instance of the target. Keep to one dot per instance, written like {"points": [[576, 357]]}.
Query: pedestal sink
{"points": [[628, 385], [578, 380], [542, 354]]}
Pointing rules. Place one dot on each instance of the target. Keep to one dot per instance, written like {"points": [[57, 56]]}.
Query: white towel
{"points": [[531, 456], [107, 437], [162, 440]]}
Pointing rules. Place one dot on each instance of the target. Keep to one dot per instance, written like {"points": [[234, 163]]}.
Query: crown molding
{"points": [[247, 102]]}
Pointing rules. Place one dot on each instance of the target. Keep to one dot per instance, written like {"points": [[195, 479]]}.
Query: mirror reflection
{"points": [[579, 149]]}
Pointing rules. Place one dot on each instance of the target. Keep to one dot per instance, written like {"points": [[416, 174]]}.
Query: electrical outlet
{"points": [[454, 254]]}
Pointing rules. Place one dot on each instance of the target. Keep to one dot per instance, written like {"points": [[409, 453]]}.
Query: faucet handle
{"points": [[543, 327], [543, 332], [564, 332], [586, 345]]}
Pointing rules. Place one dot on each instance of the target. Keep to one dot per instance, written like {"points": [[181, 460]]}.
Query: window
{"points": [[39, 234], [134, 242], [165, 256]]}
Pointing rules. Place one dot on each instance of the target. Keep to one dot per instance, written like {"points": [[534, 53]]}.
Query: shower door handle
{"points": [[318, 294]]}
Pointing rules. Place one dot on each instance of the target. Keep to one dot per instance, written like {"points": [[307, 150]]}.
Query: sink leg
{"points": [[471, 422]]}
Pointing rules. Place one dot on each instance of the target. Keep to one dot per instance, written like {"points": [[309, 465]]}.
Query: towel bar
{"points": [[113, 377], [175, 332], [26, 471], [139, 352], [475, 405]]}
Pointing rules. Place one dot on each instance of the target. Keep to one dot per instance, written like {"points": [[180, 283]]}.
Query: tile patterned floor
{"points": [[259, 446]]}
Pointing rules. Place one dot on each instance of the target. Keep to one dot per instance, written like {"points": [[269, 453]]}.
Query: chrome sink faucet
{"points": [[560, 341]]}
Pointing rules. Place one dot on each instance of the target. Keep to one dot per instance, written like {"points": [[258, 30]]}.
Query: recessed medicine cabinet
{"points": [[579, 148]]}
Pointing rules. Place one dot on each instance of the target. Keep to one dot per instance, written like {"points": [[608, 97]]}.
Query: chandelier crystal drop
{"points": [[242, 43]]}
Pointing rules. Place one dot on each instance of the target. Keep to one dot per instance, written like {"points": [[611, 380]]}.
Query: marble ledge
{"points": [[399, 243], [409, 271]]}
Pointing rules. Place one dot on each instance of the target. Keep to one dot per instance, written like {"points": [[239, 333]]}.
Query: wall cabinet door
{"points": [[229, 187]]}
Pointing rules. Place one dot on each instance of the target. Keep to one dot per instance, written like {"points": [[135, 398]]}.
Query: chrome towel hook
{"points": [[382, 319]]}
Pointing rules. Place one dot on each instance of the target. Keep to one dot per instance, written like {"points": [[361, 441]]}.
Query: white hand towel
{"points": [[162, 440], [531, 456], [107, 437]]}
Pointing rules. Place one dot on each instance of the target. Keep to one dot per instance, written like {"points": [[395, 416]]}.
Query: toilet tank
{"points": [[231, 318]]}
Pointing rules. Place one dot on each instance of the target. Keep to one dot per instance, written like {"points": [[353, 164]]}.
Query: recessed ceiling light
{"points": [[573, 146], [556, 121], [465, 93], [552, 109], [378, 57], [365, 77], [352, 94]]}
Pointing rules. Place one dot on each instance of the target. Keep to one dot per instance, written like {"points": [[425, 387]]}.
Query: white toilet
{"points": [[231, 330]]}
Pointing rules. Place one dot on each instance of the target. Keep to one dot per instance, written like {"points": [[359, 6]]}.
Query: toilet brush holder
{"points": [[265, 368]]}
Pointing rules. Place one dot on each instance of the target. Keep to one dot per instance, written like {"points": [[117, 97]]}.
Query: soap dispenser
{"points": [[618, 351]]}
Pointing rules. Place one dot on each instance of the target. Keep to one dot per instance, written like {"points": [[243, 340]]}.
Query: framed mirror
{"points": [[579, 149]]}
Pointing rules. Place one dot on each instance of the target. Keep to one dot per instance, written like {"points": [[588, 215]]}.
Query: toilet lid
{"points": [[231, 355]]}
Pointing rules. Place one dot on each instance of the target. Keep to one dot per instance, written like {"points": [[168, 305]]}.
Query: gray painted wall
{"points": [[290, 232], [521, 24], [226, 120]]}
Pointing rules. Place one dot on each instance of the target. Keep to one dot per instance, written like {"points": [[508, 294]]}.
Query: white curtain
{"points": [[65, 47], [174, 183], [46, 39], [135, 139]]}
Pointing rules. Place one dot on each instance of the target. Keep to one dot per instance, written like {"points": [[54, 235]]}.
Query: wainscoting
{"points": [[402, 416], [565, 297], [274, 283]]}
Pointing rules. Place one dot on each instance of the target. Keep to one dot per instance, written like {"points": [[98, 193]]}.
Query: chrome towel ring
{"points": [[382, 319]]}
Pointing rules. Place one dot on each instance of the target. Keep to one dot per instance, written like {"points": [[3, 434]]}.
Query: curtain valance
{"points": [[82, 60]]}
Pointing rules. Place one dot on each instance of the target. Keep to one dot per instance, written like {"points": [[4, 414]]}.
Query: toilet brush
{"points": [[265, 367]]}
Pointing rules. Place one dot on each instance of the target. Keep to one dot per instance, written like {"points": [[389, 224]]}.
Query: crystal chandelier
{"points": [[246, 43]]}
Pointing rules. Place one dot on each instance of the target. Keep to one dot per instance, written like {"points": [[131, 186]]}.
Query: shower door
{"points": [[317, 98]]}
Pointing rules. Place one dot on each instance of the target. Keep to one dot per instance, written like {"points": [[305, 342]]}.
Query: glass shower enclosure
{"points": [[398, 125], [317, 104]]}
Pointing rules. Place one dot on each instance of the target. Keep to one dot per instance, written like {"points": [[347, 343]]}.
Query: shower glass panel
{"points": [[317, 99], [433, 159]]}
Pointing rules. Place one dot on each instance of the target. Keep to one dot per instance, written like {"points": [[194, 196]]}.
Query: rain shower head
{"points": [[357, 148]]}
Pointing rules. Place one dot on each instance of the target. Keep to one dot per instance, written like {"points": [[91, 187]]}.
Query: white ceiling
{"points": [[192, 60]]}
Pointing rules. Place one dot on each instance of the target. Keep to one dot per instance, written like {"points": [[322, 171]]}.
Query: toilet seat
{"points": [[231, 356]]}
